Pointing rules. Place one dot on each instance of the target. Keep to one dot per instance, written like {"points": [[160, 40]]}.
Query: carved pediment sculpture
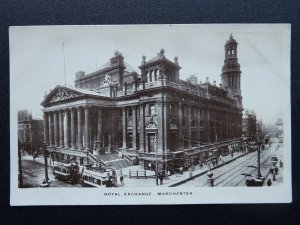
{"points": [[151, 124], [107, 81], [172, 124], [62, 94]]}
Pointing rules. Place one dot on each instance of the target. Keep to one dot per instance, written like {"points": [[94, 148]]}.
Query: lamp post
{"points": [[156, 159], [20, 165], [210, 179], [46, 162], [258, 160]]}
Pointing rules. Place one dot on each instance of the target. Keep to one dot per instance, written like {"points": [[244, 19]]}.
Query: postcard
{"points": [[150, 114]]}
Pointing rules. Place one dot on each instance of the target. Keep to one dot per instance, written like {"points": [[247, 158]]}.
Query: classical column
{"points": [[124, 127], [66, 128], [142, 128], [50, 128], [46, 129], [189, 127], [73, 133], [180, 125], [55, 126], [79, 128], [134, 127], [61, 128], [87, 128]]}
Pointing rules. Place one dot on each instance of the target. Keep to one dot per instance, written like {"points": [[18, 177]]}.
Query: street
{"points": [[230, 174], [34, 174], [226, 175]]}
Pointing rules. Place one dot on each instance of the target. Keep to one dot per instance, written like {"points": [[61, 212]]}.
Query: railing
{"points": [[128, 158], [140, 174], [96, 160], [130, 89]]}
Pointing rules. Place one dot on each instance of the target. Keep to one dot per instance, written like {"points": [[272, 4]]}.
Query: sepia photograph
{"points": [[150, 114]]}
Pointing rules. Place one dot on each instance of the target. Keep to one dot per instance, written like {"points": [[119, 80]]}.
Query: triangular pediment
{"points": [[60, 93]]}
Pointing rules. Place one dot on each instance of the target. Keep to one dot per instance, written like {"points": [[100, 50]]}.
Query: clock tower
{"points": [[231, 73]]}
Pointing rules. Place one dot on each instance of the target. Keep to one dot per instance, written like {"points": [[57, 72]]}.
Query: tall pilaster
{"points": [[165, 125], [160, 131], [134, 127], [180, 125], [142, 128], [124, 127], [198, 124], [208, 124], [189, 128]]}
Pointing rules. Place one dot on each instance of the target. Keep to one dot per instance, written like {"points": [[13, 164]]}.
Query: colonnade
{"points": [[68, 128]]}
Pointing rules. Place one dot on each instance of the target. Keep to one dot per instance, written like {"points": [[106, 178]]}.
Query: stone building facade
{"points": [[152, 116], [30, 134]]}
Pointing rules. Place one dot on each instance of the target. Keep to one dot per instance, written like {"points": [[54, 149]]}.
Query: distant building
{"points": [[276, 129], [147, 116], [249, 125], [260, 128], [30, 133]]}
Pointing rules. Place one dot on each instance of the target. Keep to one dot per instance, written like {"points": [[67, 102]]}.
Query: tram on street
{"points": [[100, 177], [66, 171]]}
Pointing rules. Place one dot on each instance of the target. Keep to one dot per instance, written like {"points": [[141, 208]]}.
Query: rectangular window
{"points": [[151, 109], [129, 112]]}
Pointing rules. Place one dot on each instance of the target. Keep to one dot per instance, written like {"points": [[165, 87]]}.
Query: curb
{"points": [[205, 171]]}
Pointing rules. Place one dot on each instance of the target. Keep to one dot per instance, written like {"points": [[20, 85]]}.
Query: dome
{"points": [[231, 40]]}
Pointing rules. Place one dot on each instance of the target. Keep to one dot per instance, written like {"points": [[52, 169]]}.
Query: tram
{"points": [[66, 171], [100, 177]]}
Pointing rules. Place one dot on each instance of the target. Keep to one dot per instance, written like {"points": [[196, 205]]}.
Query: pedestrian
{"points": [[276, 170], [269, 182], [161, 177], [221, 159], [122, 180]]}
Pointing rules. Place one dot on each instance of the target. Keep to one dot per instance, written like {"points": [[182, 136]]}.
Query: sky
{"points": [[37, 58]]}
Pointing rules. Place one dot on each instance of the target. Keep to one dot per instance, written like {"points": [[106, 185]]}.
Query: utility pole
{"points": [[258, 160], [46, 162], [20, 166], [156, 159]]}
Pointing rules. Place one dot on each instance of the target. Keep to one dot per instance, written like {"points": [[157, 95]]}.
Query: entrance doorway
{"points": [[151, 142]]}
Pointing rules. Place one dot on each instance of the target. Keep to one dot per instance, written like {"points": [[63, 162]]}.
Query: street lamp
{"points": [[258, 160], [20, 164], [210, 179], [46, 161]]}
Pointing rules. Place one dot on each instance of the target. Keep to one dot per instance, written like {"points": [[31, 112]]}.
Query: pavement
{"points": [[175, 179]]}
